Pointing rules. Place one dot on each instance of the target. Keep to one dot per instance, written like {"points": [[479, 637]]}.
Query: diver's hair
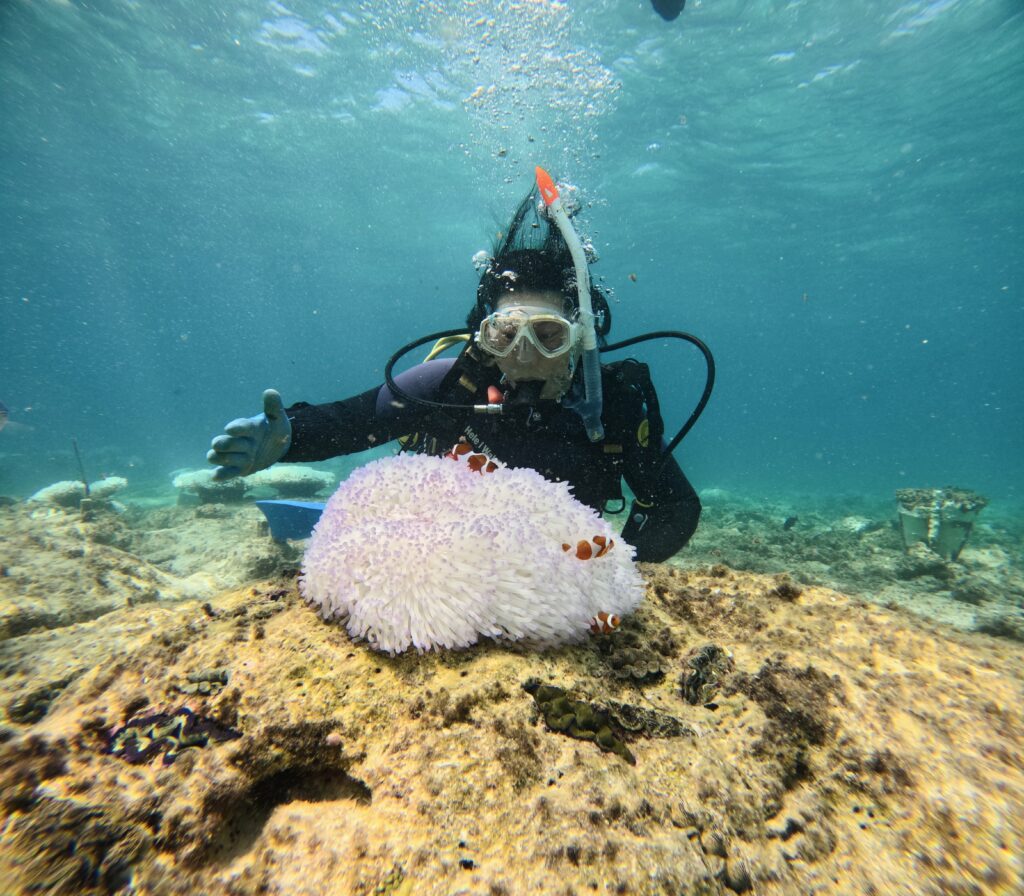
{"points": [[531, 256], [535, 270]]}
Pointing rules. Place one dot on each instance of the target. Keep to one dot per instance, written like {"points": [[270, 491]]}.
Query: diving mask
{"points": [[549, 333]]}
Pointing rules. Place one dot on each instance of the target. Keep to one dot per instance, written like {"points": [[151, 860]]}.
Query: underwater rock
{"points": [[1003, 622], [354, 763], [785, 588], [856, 525], [921, 561], [797, 704], [70, 848]]}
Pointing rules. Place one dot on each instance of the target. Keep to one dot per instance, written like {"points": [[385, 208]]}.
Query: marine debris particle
{"points": [[578, 719], [142, 738]]}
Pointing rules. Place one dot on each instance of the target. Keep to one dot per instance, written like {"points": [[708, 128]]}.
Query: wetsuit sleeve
{"points": [[322, 431], [666, 510]]}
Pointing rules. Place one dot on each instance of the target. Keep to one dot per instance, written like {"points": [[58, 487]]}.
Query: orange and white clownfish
{"points": [[478, 463], [604, 623], [598, 546], [460, 448]]}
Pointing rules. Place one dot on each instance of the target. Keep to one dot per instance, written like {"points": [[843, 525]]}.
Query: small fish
{"points": [[598, 546], [5, 415], [790, 522], [459, 448], [478, 463], [604, 623], [481, 463]]}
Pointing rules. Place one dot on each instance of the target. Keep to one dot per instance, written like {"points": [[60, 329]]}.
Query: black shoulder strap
{"points": [[636, 376], [464, 384]]}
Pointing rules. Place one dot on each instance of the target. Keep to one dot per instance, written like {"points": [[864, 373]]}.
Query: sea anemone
{"points": [[437, 552]]}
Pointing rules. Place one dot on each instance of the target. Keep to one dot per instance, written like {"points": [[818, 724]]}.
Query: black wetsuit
{"points": [[544, 435]]}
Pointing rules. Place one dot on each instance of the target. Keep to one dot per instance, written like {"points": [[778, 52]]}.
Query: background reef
{"points": [[743, 732]]}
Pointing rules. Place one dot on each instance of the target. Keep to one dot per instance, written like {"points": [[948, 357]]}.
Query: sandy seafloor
{"points": [[807, 710]]}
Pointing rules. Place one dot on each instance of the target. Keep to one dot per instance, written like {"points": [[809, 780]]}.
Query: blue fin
{"points": [[291, 519]]}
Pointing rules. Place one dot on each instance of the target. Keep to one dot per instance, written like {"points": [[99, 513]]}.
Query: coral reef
{"points": [[292, 480], [71, 492], [201, 484], [846, 748], [855, 545]]}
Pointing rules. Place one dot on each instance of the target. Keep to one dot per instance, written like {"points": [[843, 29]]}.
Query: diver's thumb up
{"points": [[249, 444], [273, 406], [276, 431]]}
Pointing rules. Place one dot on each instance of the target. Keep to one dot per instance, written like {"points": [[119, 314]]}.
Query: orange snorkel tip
{"points": [[548, 190]]}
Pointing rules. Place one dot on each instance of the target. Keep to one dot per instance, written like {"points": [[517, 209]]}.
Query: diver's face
{"points": [[526, 362]]}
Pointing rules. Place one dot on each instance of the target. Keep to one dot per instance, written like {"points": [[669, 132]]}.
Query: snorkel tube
{"points": [[589, 408]]}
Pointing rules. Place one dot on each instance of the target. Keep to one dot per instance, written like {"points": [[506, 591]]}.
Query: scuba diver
{"points": [[527, 388]]}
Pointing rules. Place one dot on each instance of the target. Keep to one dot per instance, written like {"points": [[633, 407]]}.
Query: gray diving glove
{"points": [[252, 443]]}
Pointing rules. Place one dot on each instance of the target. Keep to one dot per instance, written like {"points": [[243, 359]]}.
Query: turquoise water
{"points": [[200, 201]]}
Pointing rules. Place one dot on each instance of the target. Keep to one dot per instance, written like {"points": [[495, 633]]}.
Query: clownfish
{"points": [[604, 623], [481, 463], [478, 463], [460, 448], [598, 546]]}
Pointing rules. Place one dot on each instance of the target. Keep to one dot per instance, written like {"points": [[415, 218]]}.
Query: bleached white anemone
{"points": [[426, 552]]}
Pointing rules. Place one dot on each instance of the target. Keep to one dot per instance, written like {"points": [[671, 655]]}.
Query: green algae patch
{"points": [[576, 718]]}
